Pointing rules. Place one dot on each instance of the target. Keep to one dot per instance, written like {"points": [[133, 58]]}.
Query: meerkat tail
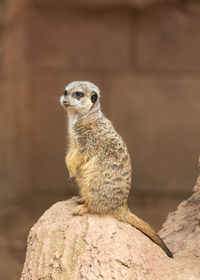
{"points": [[124, 215]]}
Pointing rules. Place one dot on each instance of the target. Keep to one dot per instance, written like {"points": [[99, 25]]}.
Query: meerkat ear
{"points": [[94, 97]]}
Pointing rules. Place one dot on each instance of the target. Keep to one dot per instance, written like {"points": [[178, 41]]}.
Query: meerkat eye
{"points": [[65, 92], [78, 94], [94, 97]]}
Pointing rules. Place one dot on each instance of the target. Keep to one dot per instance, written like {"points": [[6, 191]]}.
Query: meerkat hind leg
{"points": [[80, 210]]}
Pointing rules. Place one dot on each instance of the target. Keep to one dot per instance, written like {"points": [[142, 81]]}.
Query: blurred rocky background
{"points": [[144, 56]]}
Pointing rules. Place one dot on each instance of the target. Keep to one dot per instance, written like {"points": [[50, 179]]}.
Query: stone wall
{"points": [[144, 58]]}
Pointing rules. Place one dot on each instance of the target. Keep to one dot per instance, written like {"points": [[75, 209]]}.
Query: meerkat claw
{"points": [[71, 179], [80, 210], [81, 200]]}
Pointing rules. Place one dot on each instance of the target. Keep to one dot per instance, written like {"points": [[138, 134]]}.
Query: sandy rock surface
{"points": [[181, 231], [61, 246], [182, 228]]}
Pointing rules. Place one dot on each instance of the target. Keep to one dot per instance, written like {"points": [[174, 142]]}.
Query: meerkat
{"points": [[98, 159]]}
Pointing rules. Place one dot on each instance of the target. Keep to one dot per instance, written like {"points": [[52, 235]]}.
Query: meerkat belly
{"points": [[74, 161], [105, 185], [86, 172]]}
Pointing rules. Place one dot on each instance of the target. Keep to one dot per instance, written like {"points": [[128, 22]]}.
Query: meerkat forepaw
{"points": [[72, 179], [81, 200], [80, 210]]}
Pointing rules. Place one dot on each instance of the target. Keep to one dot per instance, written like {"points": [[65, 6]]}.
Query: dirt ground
{"points": [[18, 217]]}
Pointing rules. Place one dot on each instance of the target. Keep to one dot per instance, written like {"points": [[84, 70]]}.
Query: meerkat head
{"points": [[80, 97]]}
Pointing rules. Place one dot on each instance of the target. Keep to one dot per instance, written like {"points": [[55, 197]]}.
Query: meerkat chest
{"points": [[74, 158], [73, 151]]}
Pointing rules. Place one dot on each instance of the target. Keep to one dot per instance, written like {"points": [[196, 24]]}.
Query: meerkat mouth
{"points": [[65, 104]]}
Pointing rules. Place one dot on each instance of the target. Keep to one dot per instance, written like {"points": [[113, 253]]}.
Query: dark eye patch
{"points": [[78, 94], [94, 97]]}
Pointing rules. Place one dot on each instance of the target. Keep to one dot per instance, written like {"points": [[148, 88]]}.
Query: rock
{"points": [[181, 231], [62, 246]]}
